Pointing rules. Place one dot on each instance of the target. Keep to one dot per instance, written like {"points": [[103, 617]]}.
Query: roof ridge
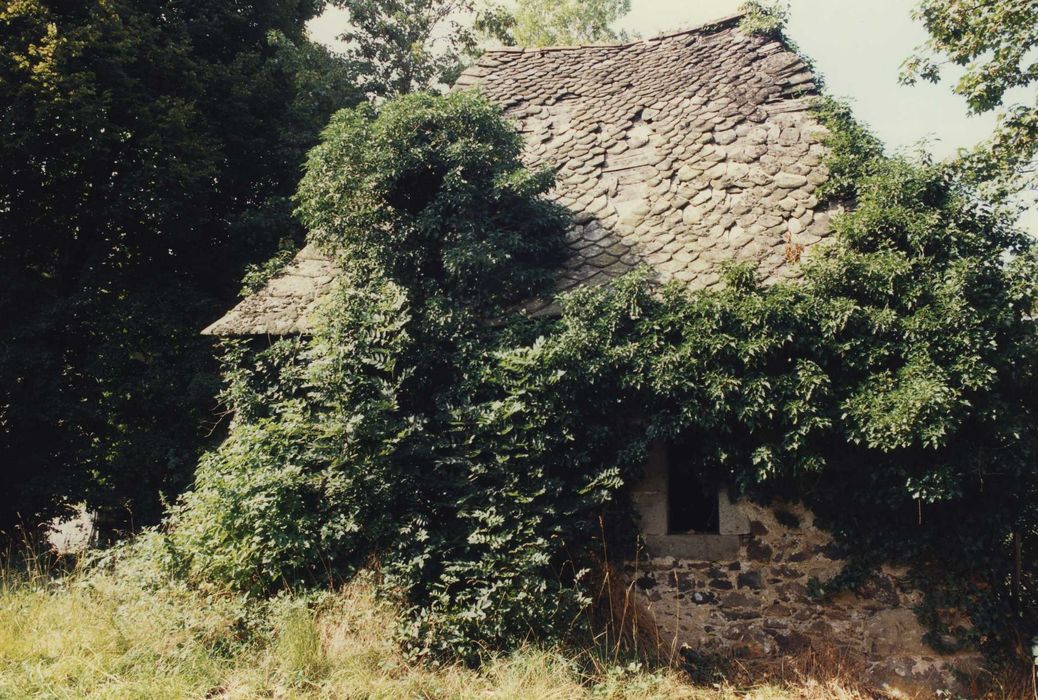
{"points": [[723, 22]]}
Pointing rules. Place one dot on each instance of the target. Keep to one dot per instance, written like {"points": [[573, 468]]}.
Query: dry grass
{"points": [[104, 636], [108, 635]]}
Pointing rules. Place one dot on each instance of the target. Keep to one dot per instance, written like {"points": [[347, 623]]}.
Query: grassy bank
{"points": [[126, 633], [117, 635]]}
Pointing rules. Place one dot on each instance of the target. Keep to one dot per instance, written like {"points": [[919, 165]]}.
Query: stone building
{"points": [[681, 152]]}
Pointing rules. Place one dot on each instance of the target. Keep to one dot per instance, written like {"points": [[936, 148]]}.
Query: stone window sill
{"points": [[705, 547]]}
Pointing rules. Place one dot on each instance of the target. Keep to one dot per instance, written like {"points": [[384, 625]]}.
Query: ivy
{"points": [[258, 274], [483, 458]]}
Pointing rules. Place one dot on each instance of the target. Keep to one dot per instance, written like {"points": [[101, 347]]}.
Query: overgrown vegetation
{"points": [[764, 18], [357, 453], [149, 159], [128, 634], [481, 457]]}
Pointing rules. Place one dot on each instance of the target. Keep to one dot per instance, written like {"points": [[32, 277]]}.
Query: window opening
{"points": [[692, 504]]}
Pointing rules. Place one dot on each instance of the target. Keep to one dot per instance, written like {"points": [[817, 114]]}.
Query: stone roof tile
{"points": [[679, 152], [284, 305]]}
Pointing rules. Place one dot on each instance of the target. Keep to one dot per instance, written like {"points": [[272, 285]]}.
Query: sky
{"points": [[856, 46]]}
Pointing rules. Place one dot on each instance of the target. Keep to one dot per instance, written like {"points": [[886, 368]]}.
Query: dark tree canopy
{"points": [[149, 152]]}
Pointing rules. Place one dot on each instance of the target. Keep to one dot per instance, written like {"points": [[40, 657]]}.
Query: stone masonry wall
{"points": [[756, 603]]}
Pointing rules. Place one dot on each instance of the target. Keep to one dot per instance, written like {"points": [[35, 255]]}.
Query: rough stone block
{"points": [[731, 518]]}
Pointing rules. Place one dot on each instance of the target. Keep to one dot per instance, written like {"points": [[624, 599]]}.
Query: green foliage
{"points": [[258, 274], [764, 18], [429, 192], [302, 487], [149, 154], [853, 151], [566, 22], [484, 457], [402, 46], [993, 42], [360, 449]]}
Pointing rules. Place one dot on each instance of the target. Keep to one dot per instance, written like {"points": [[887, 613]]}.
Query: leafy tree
{"points": [[437, 201], [567, 22], [400, 46], [149, 152], [994, 43]]}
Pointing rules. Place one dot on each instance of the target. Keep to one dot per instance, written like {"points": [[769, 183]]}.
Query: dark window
{"points": [[692, 504]]}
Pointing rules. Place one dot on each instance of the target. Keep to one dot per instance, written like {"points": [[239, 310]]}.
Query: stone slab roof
{"points": [[284, 305], [678, 152]]}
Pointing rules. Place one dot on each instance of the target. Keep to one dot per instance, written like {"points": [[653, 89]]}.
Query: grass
{"points": [[118, 635], [122, 633]]}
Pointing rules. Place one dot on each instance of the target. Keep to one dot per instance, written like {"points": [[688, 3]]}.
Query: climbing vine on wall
{"points": [[473, 451]]}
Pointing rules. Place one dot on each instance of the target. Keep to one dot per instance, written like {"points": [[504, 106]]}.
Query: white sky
{"points": [[857, 47]]}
